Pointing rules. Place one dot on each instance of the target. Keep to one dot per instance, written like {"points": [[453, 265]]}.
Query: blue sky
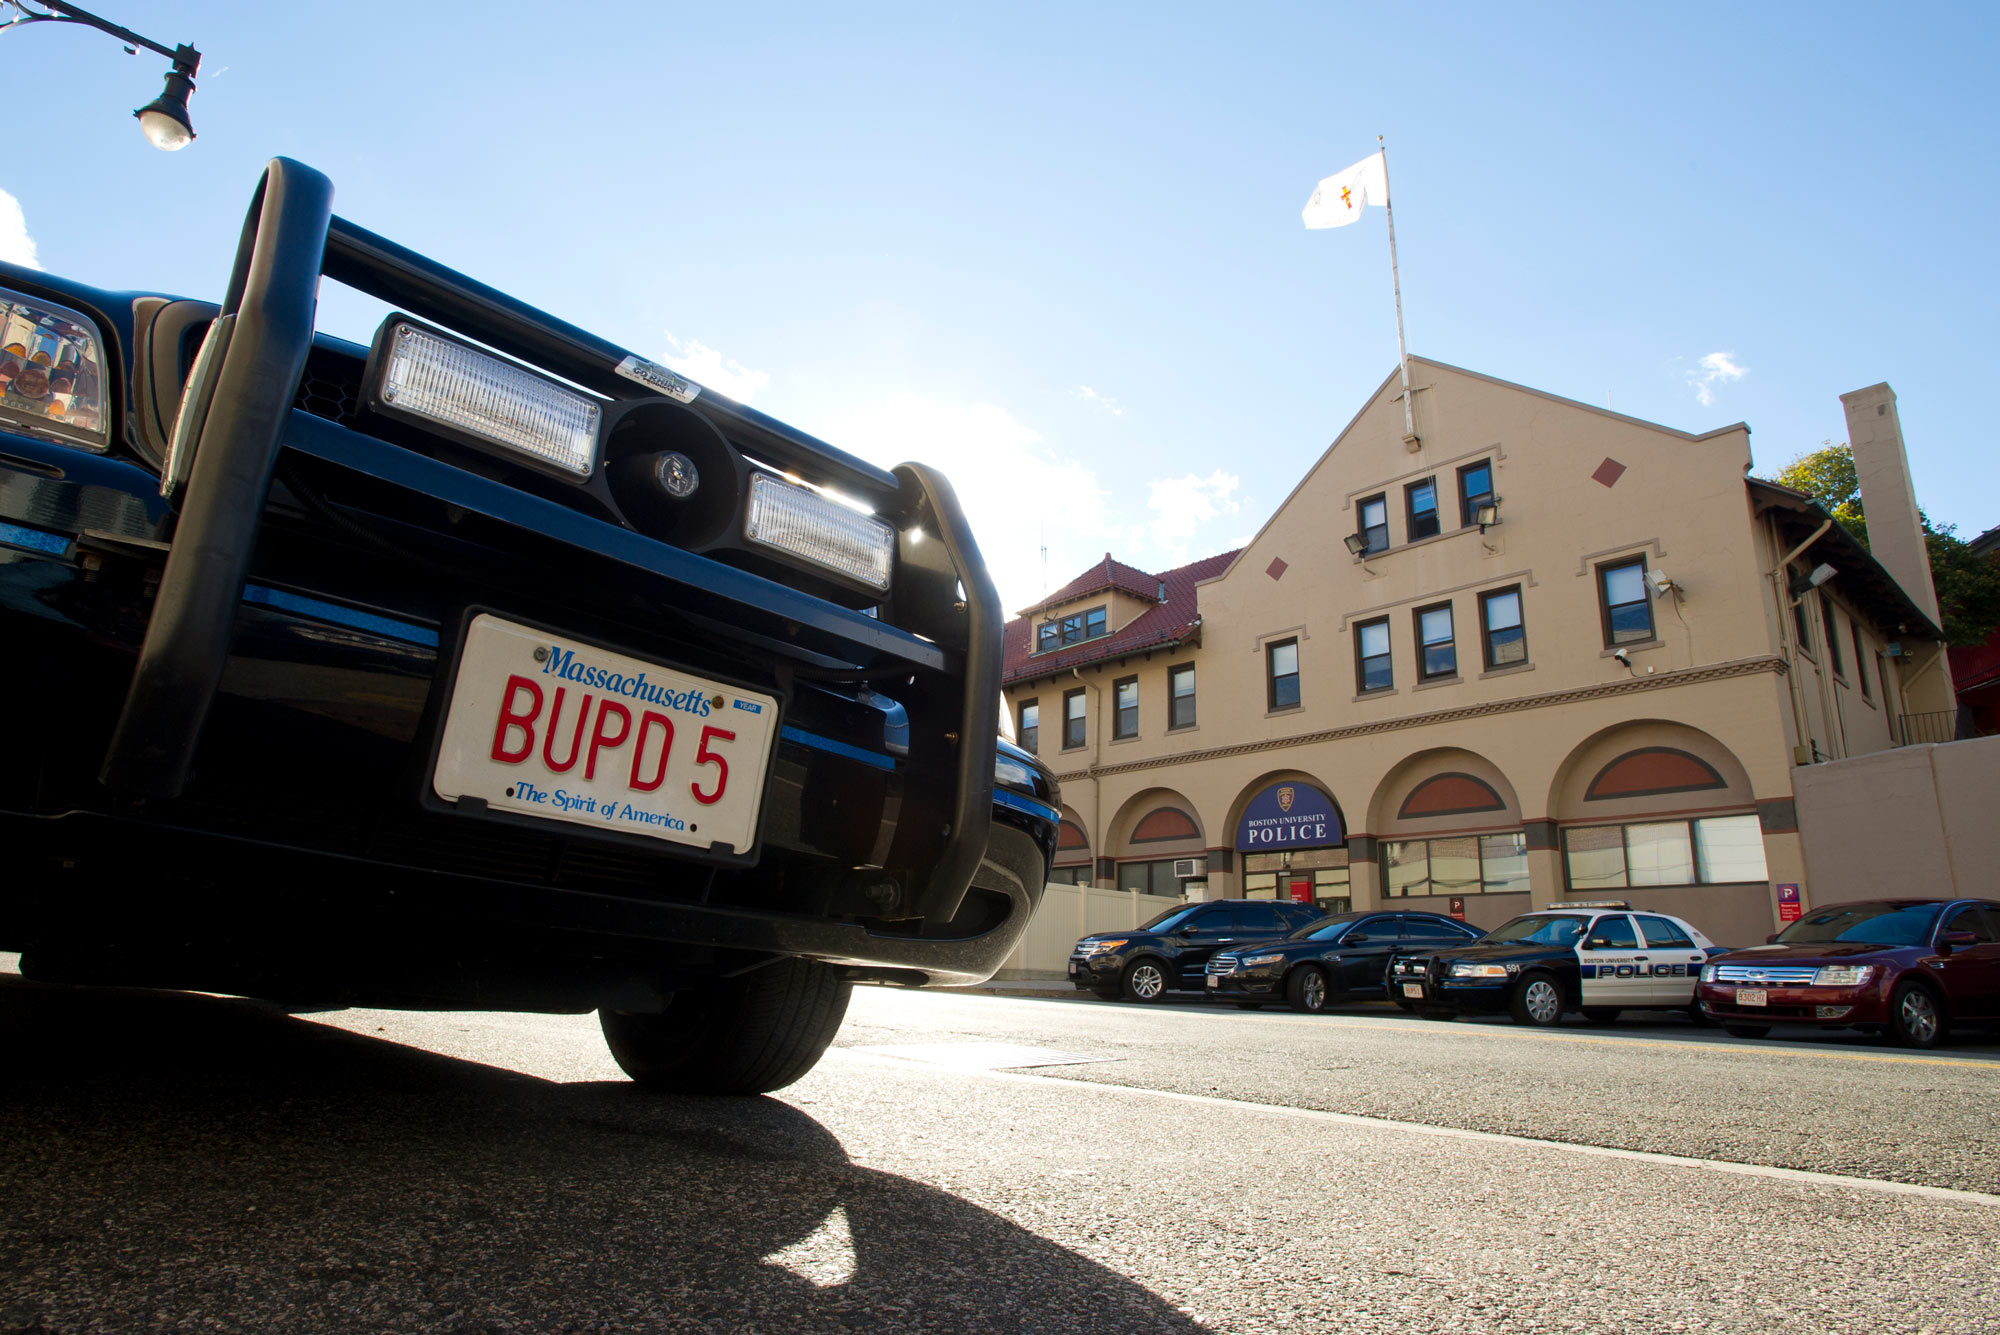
{"points": [[1057, 249]]}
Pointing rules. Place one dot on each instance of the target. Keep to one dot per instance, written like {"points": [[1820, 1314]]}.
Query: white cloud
{"points": [[1717, 368], [16, 246], [1181, 505], [1109, 404], [699, 362]]}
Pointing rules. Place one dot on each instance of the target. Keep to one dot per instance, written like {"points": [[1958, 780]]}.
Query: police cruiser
{"points": [[1599, 958]]}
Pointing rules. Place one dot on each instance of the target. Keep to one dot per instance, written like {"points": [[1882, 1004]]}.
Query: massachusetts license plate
{"points": [[1214, 981], [547, 726], [1413, 989], [1751, 996]]}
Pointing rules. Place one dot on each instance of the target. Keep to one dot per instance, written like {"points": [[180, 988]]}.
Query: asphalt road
{"points": [[175, 1162]]}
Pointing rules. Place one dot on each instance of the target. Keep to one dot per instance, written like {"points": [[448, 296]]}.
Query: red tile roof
{"points": [[1164, 624]]}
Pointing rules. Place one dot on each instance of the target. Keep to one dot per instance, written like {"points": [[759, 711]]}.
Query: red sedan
{"points": [[1910, 967]]}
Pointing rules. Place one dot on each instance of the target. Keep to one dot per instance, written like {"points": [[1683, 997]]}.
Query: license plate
{"points": [[1751, 996], [1214, 982], [1072, 968], [1413, 989], [543, 725]]}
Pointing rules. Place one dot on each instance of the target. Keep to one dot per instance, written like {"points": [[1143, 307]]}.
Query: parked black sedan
{"points": [[1339, 958], [1168, 951]]}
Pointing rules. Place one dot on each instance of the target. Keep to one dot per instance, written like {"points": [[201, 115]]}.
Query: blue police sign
{"points": [[1288, 815]]}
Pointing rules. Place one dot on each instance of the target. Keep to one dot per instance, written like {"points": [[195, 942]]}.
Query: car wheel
{"points": [[1746, 1030], [1306, 989], [1537, 1000], [1144, 980], [1601, 1014], [1916, 1019], [746, 1035]]}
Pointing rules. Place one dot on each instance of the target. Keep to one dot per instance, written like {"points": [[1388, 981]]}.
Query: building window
{"points": [[1180, 696], [1072, 720], [1374, 530], [1628, 616], [1030, 730], [1500, 628], [1045, 637], [1471, 864], [1072, 629], [1423, 502], [1826, 616], [1150, 878], [1437, 651], [1475, 488], [1710, 850], [1281, 671], [1125, 708], [1860, 659], [1069, 876], [1801, 623], [1372, 670]]}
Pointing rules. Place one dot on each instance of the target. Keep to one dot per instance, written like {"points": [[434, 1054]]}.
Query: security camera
{"points": [[1624, 658]]}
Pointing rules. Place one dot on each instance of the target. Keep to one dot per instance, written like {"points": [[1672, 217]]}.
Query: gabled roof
{"points": [[1166, 624], [1106, 574], [1864, 581]]}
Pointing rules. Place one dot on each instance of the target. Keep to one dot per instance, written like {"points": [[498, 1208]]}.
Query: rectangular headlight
{"points": [[804, 524], [485, 399], [52, 372]]}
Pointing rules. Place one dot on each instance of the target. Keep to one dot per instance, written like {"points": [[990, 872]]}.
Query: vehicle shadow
{"points": [[180, 1161]]}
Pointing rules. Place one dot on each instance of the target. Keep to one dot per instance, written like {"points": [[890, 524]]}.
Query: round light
{"points": [[677, 475], [164, 120]]}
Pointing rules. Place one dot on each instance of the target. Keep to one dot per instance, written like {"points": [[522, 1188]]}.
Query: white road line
{"points": [[1449, 1133]]}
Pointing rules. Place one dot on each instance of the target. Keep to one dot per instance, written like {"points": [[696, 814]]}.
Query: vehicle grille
{"points": [[330, 387], [1222, 964], [1778, 975]]}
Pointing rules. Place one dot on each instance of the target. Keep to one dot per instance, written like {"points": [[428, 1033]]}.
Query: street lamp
{"points": [[164, 120]]}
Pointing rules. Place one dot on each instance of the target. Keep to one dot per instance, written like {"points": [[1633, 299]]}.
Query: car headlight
{"points": [[808, 526], [1253, 961], [1708, 973], [1842, 975], [1098, 947], [1482, 970], [52, 372]]}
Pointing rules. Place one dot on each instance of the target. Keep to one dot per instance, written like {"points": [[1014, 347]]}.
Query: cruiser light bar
{"points": [[804, 524], [437, 381]]}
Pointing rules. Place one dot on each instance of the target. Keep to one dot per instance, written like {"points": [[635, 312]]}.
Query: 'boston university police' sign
{"points": [[1289, 815]]}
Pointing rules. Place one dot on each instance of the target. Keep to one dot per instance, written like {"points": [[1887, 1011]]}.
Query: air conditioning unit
{"points": [[1188, 869]]}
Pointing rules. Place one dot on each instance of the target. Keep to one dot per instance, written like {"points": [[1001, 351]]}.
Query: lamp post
{"points": [[164, 120]]}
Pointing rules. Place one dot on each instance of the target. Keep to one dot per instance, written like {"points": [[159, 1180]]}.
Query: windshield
{"points": [[1168, 920], [1868, 924], [1550, 930], [1325, 929]]}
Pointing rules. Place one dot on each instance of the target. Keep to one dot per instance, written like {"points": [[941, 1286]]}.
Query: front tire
{"points": [[1537, 1001], [1144, 981], [1307, 990], [1916, 1017], [747, 1035]]}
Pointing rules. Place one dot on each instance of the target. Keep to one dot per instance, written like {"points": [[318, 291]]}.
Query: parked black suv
{"points": [[487, 666], [1172, 950], [1343, 957]]}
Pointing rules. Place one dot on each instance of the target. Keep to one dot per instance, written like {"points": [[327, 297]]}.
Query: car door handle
{"points": [[1639, 957]]}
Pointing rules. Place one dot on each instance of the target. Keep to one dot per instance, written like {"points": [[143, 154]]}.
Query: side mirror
{"points": [[1950, 939], [1188, 930], [1772, 939], [1598, 943], [1356, 938]]}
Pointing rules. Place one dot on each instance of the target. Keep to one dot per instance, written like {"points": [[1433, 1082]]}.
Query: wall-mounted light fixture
{"points": [[1817, 576], [1487, 513]]}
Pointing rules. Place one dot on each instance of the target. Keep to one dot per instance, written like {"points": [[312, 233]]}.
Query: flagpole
{"points": [[1396, 278]]}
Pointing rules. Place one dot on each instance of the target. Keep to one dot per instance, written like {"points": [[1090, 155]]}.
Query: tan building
{"points": [[1601, 690]]}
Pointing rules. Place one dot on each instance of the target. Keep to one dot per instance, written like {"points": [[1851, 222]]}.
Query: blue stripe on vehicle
{"points": [[34, 539], [819, 743], [1039, 810], [342, 616]]}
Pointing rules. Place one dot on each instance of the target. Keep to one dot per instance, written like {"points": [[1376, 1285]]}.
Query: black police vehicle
{"points": [[486, 666], [1342, 957], [1172, 949], [1600, 959]]}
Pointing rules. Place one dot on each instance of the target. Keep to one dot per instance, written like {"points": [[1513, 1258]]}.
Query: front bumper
{"points": [[1093, 973], [1827, 1007], [1261, 982], [1473, 996]]}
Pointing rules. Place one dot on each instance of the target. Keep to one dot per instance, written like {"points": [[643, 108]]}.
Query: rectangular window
{"points": [[1475, 488], [1659, 853], [1149, 878], [1729, 848], [1180, 696], [1125, 708], [1503, 863], [1500, 628], [1437, 651], [1030, 731], [1860, 659], [1423, 502], [1463, 865], [1628, 615], [1455, 866], [1372, 669], [1045, 637], [1374, 529], [1072, 720], [1801, 623], [1832, 636], [1281, 662], [1407, 863], [1596, 857], [1074, 629], [1710, 850]]}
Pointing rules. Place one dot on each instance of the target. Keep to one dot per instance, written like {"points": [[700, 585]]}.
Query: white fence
{"points": [[1072, 911]]}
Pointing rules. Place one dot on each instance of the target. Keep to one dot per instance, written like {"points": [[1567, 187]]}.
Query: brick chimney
{"points": [[1895, 531]]}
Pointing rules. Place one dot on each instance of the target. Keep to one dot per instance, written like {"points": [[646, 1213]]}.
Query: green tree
{"points": [[1967, 584]]}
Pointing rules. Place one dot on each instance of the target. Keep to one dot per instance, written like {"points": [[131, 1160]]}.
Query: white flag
{"points": [[1337, 200]]}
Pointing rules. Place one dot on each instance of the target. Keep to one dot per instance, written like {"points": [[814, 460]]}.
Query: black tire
{"points": [[1601, 1014], [1537, 1000], [1308, 990], [747, 1035], [1916, 1017], [1145, 980], [1746, 1030]]}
